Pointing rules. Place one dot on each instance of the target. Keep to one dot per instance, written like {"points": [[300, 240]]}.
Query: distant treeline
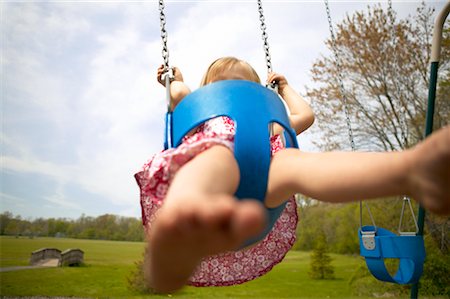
{"points": [[104, 227], [339, 223]]}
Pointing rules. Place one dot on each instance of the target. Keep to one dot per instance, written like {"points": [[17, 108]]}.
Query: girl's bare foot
{"points": [[182, 235], [430, 172]]}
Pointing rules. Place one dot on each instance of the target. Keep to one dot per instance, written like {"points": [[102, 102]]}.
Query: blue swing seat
{"points": [[252, 107], [376, 244]]}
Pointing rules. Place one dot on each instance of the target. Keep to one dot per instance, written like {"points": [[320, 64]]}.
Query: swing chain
{"points": [[272, 86], [168, 75], [265, 37], [370, 215], [339, 76], [402, 115], [406, 199], [368, 236], [162, 19]]}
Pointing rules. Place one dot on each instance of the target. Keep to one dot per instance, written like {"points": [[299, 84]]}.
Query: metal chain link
{"points": [[265, 37], [273, 86], [340, 78], [162, 19], [402, 117], [167, 75]]}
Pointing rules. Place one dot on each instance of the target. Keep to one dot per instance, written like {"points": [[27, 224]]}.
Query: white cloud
{"points": [[36, 166], [8, 200], [60, 200], [25, 161]]}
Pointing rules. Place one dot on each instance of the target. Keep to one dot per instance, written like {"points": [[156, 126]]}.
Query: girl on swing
{"points": [[196, 227]]}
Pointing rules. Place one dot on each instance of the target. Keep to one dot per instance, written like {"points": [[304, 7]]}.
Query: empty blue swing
{"points": [[376, 244], [253, 108]]}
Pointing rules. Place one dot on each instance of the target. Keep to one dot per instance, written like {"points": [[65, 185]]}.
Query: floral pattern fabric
{"points": [[227, 268]]}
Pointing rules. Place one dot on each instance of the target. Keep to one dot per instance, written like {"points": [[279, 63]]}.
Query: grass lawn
{"points": [[108, 264]]}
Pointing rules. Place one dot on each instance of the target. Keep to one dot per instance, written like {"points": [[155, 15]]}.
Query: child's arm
{"points": [[301, 115], [178, 89]]}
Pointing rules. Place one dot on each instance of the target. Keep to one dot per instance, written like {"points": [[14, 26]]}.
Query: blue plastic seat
{"points": [[252, 107], [376, 244]]}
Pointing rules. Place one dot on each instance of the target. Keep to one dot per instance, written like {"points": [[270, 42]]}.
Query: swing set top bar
{"points": [[437, 32]]}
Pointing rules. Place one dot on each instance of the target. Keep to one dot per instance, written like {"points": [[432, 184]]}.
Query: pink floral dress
{"points": [[227, 268]]}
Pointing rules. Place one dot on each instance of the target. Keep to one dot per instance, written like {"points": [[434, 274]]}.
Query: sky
{"points": [[81, 110]]}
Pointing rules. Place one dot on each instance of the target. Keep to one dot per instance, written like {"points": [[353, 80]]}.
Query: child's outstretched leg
{"points": [[422, 172], [200, 217]]}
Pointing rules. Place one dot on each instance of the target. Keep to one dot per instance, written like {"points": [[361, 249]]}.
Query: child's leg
{"points": [[336, 176], [199, 217], [422, 172]]}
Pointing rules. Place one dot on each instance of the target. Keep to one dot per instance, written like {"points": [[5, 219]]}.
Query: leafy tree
{"points": [[345, 229], [5, 218], [312, 218], [320, 266], [435, 280], [339, 222], [385, 72]]}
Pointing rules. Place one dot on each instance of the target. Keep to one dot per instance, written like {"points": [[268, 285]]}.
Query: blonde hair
{"points": [[225, 63]]}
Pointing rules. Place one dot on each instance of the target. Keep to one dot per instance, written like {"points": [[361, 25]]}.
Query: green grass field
{"points": [[107, 265]]}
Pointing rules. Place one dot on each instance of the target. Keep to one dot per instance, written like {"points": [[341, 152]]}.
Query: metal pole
{"points": [[435, 57]]}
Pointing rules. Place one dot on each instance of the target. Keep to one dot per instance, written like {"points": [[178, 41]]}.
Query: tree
{"points": [[435, 280], [385, 77], [5, 219], [320, 266]]}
